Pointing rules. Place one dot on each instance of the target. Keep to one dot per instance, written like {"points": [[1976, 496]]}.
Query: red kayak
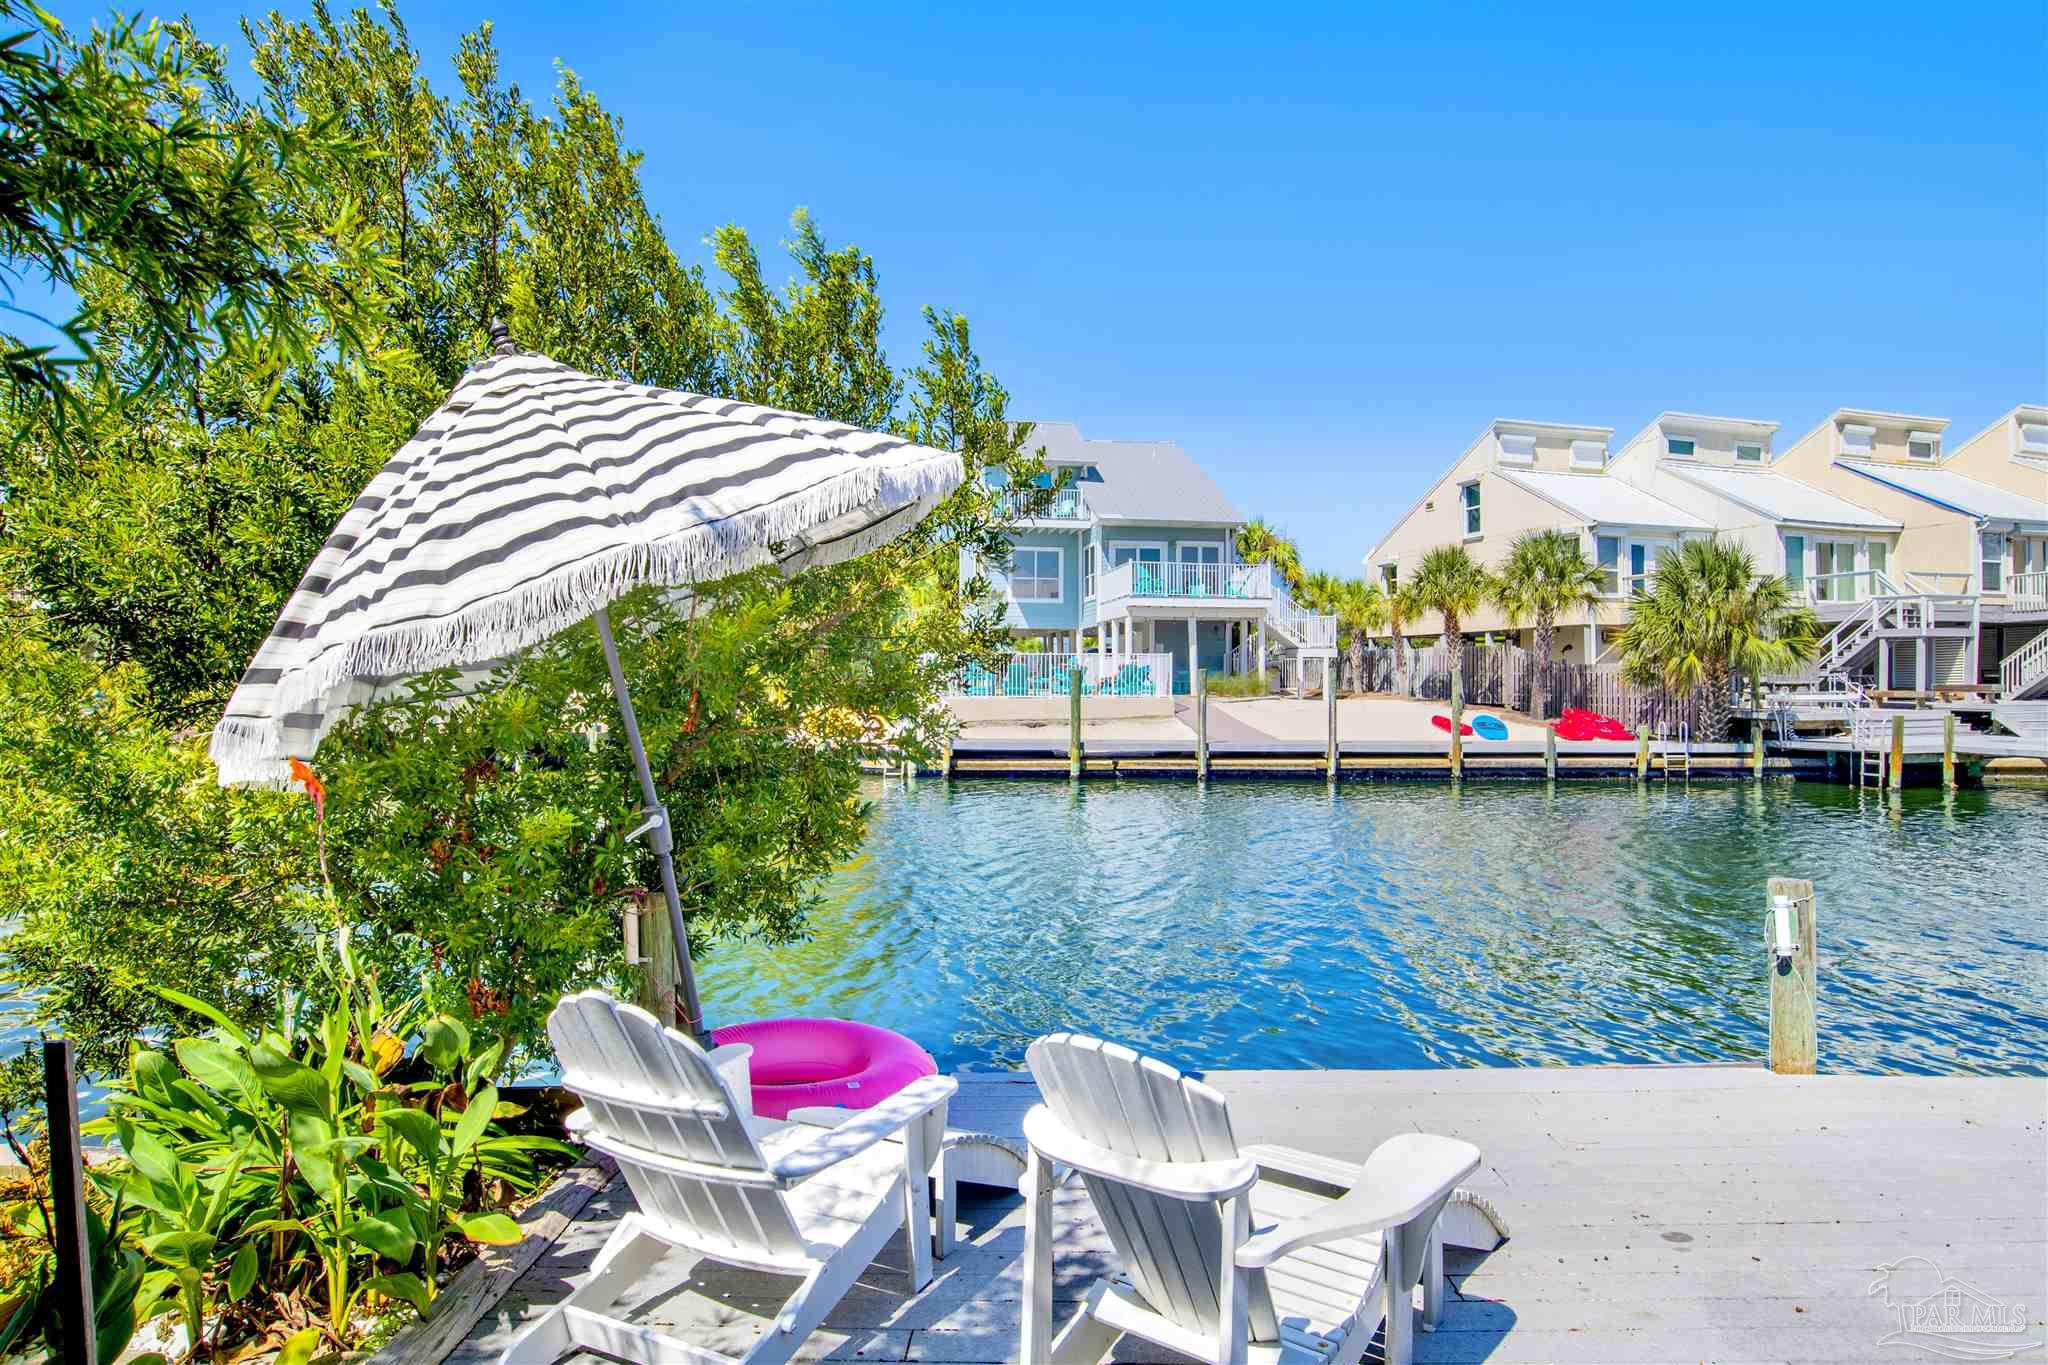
{"points": [[1443, 723], [1579, 724]]}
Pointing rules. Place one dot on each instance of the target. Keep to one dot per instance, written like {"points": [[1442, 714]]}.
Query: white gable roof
{"points": [[1603, 500], [1957, 492], [1778, 496], [1141, 480]]}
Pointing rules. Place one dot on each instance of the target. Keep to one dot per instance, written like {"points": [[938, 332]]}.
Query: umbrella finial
{"points": [[501, 338]]}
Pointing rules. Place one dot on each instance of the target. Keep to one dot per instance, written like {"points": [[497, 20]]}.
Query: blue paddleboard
{"points": [[1489, 727]]}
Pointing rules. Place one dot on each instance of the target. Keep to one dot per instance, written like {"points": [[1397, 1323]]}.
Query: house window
{"points": [[1993, 558], [1858, 440], [1749, 452], [1518, 449], [1390, 577], [1678, 445], [1607, 551], [1088, 557], [1588, 454], [1470, 493], [1201, 554], [1878, 554], [2033, 439], [1922, 445], [1638, 568], [1795, 561], [1035, 575]]}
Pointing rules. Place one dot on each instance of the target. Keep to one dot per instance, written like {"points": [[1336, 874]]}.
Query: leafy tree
{"points": [[1706, 616], [1453, 585], [142, 564], [123, 154], [1361, 611], [1546, 573], [1259, 543]]}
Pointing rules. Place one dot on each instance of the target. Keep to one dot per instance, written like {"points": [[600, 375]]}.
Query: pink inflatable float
{"points": [[798, 1062]]}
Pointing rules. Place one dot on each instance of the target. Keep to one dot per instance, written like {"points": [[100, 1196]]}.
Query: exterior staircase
{"points": [[2024, 672], [1294, 635], [1892, 613], [2027, 719]]}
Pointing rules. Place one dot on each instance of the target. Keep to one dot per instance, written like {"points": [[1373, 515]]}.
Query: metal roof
{"points": [[1778, 496], [1957, 492], [1603, 500], [1141, 480]]}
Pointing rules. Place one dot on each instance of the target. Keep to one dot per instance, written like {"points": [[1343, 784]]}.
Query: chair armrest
{"points": [[1191, 1180], [1403, 1176], [866, 1128]]}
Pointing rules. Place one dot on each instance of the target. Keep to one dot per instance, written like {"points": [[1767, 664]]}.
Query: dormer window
{"points": [[1588, 454], [1680, 446], [2033, 438], [1858, 440], [1518, 449], [1922, 445], [1749, 452]]}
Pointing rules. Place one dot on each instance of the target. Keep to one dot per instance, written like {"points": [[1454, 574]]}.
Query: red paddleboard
{"points": [[1443, 723]]}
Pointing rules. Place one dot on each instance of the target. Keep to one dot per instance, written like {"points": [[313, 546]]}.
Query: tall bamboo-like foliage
{"points": [[1546, 574], [1453, 585], [1708, 615]]}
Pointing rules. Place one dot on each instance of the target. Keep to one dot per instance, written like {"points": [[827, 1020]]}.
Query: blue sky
{"points": [[1321, 249]]}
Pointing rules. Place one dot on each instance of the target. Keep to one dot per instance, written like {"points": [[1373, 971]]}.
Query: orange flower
{"points": [[314, 787]]}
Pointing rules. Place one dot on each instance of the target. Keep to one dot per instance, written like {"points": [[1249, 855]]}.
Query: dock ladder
{"points": [[1682, 760], [1869, 756]]}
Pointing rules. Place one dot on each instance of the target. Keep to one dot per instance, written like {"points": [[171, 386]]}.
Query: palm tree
{"points": [[1361, 610], [1453, 585], [1546, 574], [1706, 616], [1401, 609], [1259, 543]]}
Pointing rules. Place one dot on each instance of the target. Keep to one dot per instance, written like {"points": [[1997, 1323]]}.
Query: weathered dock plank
{"points": [[1658, 1213]]}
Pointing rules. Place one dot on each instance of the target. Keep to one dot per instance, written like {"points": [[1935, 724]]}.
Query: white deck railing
{"points": [[1856, 586], [2029, 591], [1067, 505], [1046, 674], [1193, 582]]}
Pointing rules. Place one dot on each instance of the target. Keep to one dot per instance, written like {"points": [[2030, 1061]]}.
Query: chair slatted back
{"points": [[1141, 1107], [654, 1097]]}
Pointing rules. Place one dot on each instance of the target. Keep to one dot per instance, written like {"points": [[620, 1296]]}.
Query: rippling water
{"points": [[1277, 925]]}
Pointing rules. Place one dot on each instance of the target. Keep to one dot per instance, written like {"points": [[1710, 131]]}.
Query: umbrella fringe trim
{"points": [[253, 753]]}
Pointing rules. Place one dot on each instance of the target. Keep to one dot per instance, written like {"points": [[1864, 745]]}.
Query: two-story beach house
{"points": [[1971, 563], [1521, 476], [1137, 560]]}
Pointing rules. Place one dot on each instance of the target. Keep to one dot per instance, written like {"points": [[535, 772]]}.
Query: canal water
{"points": [[1279, 925]]}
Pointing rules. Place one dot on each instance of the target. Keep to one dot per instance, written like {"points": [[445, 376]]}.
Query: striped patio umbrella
{"points": [[534, 498]]}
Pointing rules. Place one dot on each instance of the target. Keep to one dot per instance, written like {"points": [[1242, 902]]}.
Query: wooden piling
{"points": [[650, 946], [949, 760], [1074, 755], [1201, 725], [1550, 753], [1330, 708], [1642, 753], [1457, 739], [1948, 751], [1794, 1045], [1897, 767], [72, 1286], [1756, 748]]}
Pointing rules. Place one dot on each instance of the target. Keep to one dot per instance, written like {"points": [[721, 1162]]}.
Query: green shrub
{"points": [[1236, 684]]}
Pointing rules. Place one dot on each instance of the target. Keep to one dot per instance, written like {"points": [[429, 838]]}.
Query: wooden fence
{"points": [[1505, 676]]}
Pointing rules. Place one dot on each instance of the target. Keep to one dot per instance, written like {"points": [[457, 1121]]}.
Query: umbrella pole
{"points": [[659, 836]]}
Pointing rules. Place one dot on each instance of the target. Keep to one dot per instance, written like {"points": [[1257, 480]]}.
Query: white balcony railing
{"points": [[1067, 505], [1858, 585], [1236, 582], [2029, 591], [1047, 674]]}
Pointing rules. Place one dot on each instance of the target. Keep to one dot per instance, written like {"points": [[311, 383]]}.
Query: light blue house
{"points": [[1137, 560]]}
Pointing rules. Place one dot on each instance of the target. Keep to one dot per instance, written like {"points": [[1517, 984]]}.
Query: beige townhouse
{"points": [[1521, 476]]}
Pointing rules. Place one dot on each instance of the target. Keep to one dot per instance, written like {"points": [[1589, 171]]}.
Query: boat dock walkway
{"points": [[1670, 1213]]}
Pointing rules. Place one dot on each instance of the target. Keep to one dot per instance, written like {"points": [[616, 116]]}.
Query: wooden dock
{"points": [[1681, 1213]]}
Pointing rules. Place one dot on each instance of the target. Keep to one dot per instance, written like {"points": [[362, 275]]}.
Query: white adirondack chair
{"points": [[789, 1199], [1222, 1260]]}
